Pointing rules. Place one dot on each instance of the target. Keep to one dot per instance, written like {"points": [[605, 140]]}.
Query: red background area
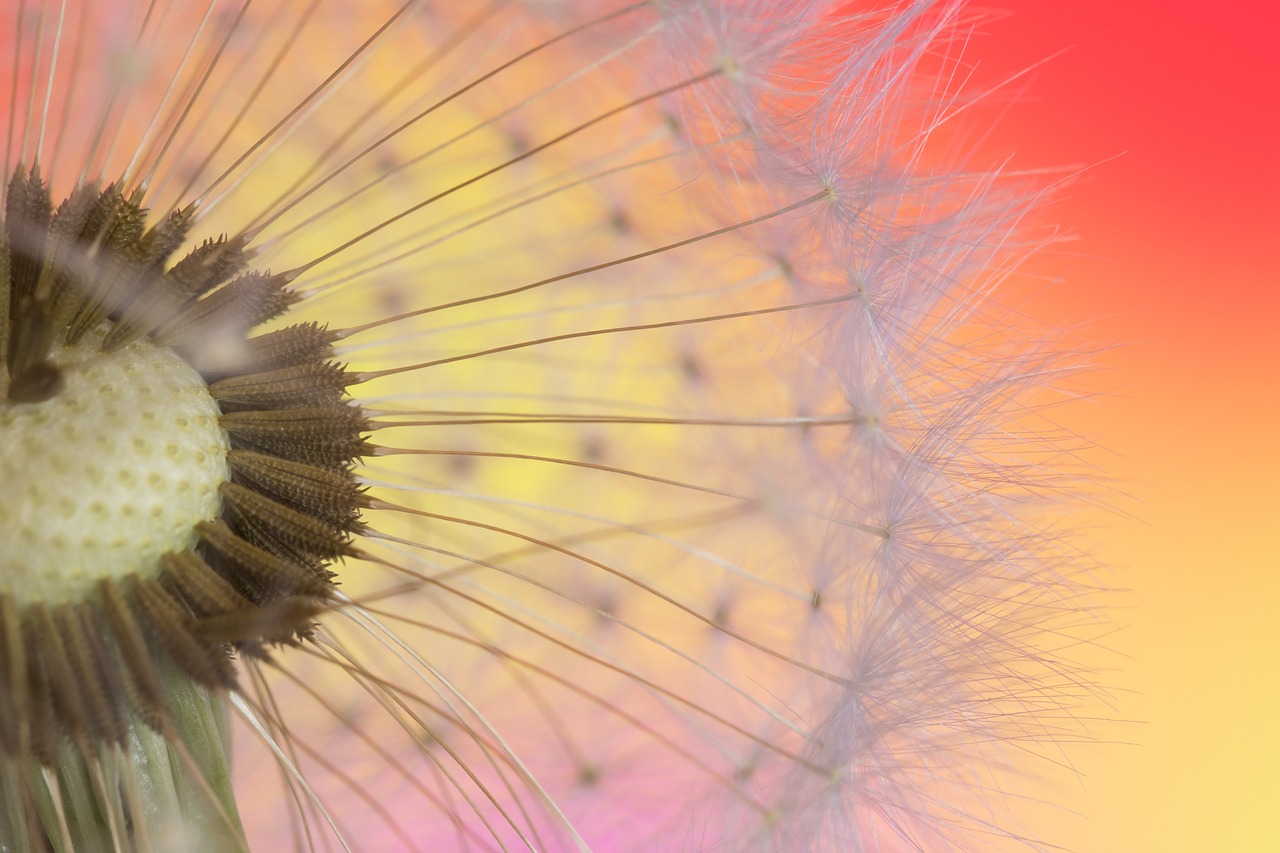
{"points": [[1173, 107]]}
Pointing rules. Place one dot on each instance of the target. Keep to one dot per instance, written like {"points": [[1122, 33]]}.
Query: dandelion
{"points": [[566, 425]]}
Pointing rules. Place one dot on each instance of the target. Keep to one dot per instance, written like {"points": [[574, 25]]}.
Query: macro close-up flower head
{"points": [[528, 424]]}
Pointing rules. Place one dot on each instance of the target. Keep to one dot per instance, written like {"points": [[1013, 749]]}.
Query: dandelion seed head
{"points": [[681, 495]]}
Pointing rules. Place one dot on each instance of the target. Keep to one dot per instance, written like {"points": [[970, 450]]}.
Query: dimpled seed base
{"points": [[108, 475]]}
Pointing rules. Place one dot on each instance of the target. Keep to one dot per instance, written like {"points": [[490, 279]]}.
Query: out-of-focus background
{"points": [[1175, 107]]}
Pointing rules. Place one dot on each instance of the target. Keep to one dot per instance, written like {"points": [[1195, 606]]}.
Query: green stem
{"points": [[152, 794]]}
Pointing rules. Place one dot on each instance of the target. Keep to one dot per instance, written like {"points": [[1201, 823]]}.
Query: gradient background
{"points": [[1175, 109]]}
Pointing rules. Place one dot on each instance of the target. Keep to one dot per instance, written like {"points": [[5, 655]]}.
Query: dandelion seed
{"points": [[517, 426]]}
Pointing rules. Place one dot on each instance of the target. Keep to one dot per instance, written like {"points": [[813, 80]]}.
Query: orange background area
{"points": [[1173, 107]]}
